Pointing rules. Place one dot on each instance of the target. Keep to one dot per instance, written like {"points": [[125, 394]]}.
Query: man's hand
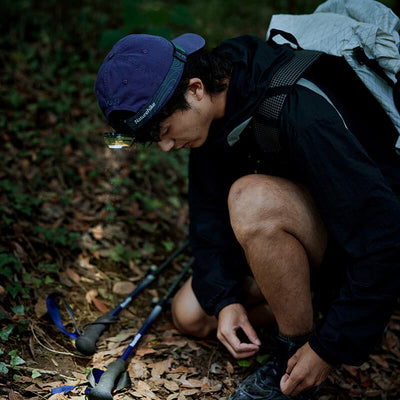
{"points": [[230, 319], [304, 371]]}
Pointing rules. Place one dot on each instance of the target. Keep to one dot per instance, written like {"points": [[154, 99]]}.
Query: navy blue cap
{"points": [[141, 72]]}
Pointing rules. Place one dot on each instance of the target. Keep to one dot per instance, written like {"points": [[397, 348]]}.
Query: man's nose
{"points": [[166, 144]]}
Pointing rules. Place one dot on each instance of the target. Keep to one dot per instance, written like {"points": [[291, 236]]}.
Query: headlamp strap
{"points": [[179, 53]]}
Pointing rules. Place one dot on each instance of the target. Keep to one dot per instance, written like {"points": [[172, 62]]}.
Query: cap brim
{"points": [[190, 42]]}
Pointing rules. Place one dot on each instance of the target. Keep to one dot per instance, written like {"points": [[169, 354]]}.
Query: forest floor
{"points": [[86, 223], [118, 239]]}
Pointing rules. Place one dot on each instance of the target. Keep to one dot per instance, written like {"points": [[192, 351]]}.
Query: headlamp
{"points": [[116, 140]]}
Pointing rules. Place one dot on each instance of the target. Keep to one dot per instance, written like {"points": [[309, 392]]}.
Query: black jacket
{"points": [[352, 172]]}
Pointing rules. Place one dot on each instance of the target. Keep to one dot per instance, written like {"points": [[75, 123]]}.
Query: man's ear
{"points": [[196, 88]]}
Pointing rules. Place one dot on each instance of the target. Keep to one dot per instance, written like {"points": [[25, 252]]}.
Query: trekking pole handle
{"points": [[107, 382], [102, 391], [86, 342]]}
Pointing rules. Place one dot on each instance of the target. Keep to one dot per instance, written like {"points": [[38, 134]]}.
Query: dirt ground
{"points": [[166, 364], [125, 221]]}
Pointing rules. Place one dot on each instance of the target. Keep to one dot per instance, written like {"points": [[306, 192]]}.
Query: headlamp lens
{"points": [[115, 140]]}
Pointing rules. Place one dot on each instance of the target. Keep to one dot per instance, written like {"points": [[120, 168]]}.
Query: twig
{"points": [[21, 388], [42, 371], [210, 361], [55, 351]]}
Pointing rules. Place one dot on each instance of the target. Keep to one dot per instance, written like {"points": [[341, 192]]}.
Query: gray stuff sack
{"points": [[365, 33]]}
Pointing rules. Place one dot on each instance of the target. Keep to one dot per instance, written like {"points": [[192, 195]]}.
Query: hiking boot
{"points": [[264, 383]]}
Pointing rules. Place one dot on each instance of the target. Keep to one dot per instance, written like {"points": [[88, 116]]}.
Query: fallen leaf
{"points": [[123, 288], [190, 392], [392, 344], [354, 392], [21, 252], [73, 275], [171, 386], [351, 370], [122, 336], [58, 396], [193, 345], [172, 341], [215, 388], [229, 367], [97, 232], [100, 305], [380, 360], [78, 375], [381, 381], [156, 383], [41, 307], [153, 293], [26, 379], [83, 262], [169, 326], [205, 385], [144, 389], [87, 280], [365, 381], [190, 382], [138, 370], [14, 396], [215, 368], [180, 369], [99, 356], [133, 267], [144, 350], [159, 368], [91, 295], [372, 393]]}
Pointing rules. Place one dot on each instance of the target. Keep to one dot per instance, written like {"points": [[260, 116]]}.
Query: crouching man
{"points": [[263, 223]]}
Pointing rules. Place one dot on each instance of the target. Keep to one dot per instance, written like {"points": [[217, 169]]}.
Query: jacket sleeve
{"points": [[219, 260], [362, 213]]}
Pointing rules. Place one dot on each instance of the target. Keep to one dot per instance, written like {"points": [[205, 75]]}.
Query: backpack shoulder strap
{"points": [[266, 118]]}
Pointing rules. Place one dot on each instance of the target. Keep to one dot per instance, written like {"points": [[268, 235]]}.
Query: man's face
{"points": [[184, 129], [188, 128]]}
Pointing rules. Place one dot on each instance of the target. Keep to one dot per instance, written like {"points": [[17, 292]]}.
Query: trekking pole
{"points": [[109, 379], [86, 342]]}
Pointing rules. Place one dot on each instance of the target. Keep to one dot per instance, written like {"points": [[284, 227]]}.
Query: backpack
{"points": [[364, 33]]}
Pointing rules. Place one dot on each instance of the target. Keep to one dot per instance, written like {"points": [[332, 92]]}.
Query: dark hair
{"points": [[212, 67]]}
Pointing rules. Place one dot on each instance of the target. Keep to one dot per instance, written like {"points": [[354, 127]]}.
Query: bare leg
{"points": [[189, 318], [187, 314], [278, 226]]}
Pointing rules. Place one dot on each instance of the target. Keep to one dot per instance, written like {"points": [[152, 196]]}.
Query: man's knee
{"points": [[269, 205], [256, 202], [188, 316]]}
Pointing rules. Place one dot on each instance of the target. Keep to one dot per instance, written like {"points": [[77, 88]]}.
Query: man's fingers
{"points": [[231, 320], [244, 351], [291, 364], [237, 348], [304, 371], [292, 386], [284, 380], [287, 385], [251, 334]]}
